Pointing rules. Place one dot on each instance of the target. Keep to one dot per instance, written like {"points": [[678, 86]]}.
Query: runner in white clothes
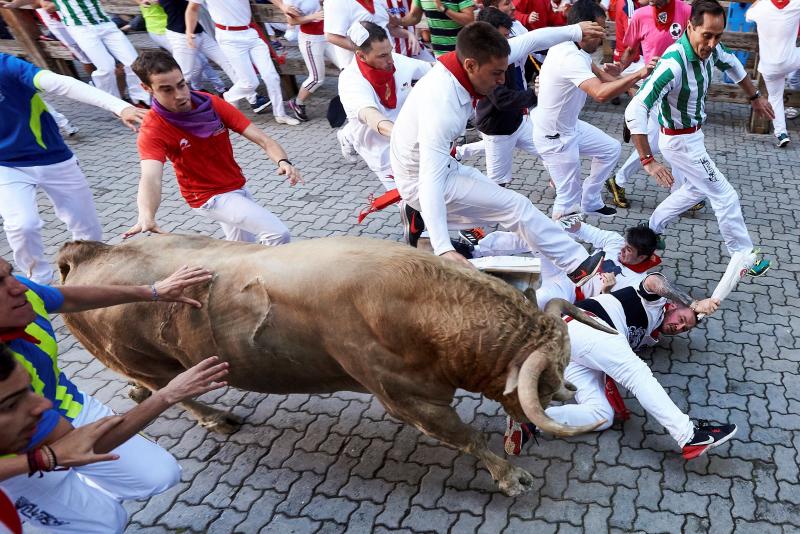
{"points": [[640, 315], [678, 88], [567, 76], [432, 182], [244, 48], [778, 57], [373, 89]]}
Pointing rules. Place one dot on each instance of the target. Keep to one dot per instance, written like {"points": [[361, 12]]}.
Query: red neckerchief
{"points": [[451, 63], [17, 333], [369, 5], [780, 4], [667, 12], [646, 265], [382, 81]]}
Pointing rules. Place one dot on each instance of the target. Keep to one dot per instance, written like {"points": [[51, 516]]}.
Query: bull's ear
{"points": [[63, 268], [512, 379]]}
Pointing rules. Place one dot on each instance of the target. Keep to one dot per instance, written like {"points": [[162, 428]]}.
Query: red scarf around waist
{"points": [[369, 5], [382, 81], [664, 16], [780, 4], [451, 63]]}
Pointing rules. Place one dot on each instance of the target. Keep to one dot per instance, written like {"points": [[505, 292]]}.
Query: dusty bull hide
{"points": [[328, 315]]}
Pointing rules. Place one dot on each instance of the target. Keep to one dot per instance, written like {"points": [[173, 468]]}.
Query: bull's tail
{"points": [[559, 307]]}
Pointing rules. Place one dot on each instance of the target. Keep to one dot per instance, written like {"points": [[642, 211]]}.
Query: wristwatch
{"points": [[755, 96]]}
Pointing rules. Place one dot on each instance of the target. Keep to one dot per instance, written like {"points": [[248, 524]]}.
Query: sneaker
{"points": [[616, 101], [587, 269], [276, 45], [569, 220], [70, 130], [792, 113], [705, 437], [517, 435], [299, 110], [697, 207], [261, 104], [465, 249], [783, 140], [413, 225], [617, 193], [286, 119], [471, 237], [605, 211], [348, 151], [760, 267]]}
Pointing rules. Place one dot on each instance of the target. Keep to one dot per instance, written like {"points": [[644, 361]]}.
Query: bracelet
{"points": [[154, 296], [286, 160], [647, 159]]}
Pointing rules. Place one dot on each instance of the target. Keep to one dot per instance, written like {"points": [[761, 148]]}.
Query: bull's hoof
{"points": [[138, 393], [222, 423], [516, 482]]}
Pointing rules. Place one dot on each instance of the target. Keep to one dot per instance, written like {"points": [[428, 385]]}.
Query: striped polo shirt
{"points": [[443, 29], [81, 12], [679, 84]]}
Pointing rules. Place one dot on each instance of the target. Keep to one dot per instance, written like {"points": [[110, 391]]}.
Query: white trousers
{"points": [[776, 84], [314, 49], [66, 187], [242, 219], [562, 158], [473, 199], [243, 50], [193, 62], [596, 354], [500, 150], [687, 155], [103, 44], [60, 32], [87, 499], [61, 121]]}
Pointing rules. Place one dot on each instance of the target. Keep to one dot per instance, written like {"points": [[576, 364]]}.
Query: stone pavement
{"points": [[337, 463]]}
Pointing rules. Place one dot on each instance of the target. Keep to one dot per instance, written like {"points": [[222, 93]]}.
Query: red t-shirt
{"points": [[203, 167], [547, 17], [622, 18]]}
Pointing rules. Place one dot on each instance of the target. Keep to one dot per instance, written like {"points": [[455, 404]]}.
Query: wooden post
{"points": [[23, 27], [759, 124]]}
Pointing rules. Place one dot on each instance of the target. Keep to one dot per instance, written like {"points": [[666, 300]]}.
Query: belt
{"points": [[684, 131], [232, 28]]}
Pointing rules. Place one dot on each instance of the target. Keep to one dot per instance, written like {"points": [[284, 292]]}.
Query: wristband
{"points": [[154, 296], [647, 159], [286, 160]]}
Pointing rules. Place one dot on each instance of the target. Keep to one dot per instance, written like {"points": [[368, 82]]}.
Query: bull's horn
{"points": [[512, 380], [528, 389], [558, 307]]}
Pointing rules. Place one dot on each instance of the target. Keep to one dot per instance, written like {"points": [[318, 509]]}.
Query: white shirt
{"points": [[612, 243], [560, 97], [306, 7], [228, 12], [777, 34], [356, 93], [517, 29], [650, 312], [341, 14], [433, 116]]}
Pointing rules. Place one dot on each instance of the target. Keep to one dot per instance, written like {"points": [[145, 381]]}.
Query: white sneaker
{"points": [[348, 151], [70, 130], [285, 119]]}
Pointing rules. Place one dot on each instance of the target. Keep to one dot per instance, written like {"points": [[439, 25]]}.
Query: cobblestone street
{"points": [[338, 463]]}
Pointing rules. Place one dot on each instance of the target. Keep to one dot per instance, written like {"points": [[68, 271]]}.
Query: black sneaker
{"points": [[472, 236], [299, 110], [413, 225], [261, 104], [465, 249], [783, 140], [587, 269], [705, 437], [605, 211]]}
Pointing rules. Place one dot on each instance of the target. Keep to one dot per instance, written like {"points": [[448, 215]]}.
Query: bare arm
{"points": [[340, 40], [760, 105], [462, 17], [604, 87], [190, 18], [412, 18], [274, 151], [148, 198], [626, 59], [376, 121], [11, 4], [658, 284], [304, 19]]}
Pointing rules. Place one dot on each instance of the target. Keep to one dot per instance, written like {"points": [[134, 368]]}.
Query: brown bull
{"points": [[328, 315]]}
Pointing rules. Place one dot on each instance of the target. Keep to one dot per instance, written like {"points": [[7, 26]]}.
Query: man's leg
{"points": [[238, 209], [211, 50], [499, 157], [121, 48], [184, 55], [561, 158], [604, 151], [245, 79], [22, 223], [259, 54], [775, 85], [633, 165], [66, 186], [591, 404], [89, 40]]}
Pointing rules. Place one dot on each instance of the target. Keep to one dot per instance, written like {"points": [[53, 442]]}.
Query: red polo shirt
{"points": [[204, 167]]}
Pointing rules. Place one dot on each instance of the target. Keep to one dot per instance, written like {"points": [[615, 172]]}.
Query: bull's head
{"points": [[74, 253]]}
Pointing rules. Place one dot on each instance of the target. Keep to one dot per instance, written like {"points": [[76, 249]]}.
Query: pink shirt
{"points": [[643, 31]]}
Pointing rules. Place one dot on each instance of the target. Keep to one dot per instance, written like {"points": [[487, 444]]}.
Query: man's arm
{"points": [[148, 198], [341, 41], [759, 103], [274, 151], [411, 18], [657, 284], [544, 38], [599, 239], [190, 19], [463, 17], [376, 121], [506, 99], [603, 91]]}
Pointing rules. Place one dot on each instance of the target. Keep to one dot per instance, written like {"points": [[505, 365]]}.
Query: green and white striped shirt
{"points": [[81, 12], [679, 86]]}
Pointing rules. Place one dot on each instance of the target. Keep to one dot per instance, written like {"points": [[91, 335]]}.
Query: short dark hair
{"points": [[482, 42], [376, 35], [487, 4], [701, 7], [152, 62], [7, 362], [642, 238], [495, 17], [585, 11]]}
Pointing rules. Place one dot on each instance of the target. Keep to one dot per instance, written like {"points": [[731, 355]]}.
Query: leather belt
{"points": [[232, 28], [684, 131]]}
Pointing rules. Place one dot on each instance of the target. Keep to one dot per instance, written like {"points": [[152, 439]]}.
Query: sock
{"points": [[299, 101]]}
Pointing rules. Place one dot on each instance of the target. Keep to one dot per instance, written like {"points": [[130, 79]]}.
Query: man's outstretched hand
{"points": [[170, 289]]}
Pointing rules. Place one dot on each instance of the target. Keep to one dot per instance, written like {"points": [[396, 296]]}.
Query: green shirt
{"points": [[679, 84], [155, 18], [443, 29], [81, 12]]}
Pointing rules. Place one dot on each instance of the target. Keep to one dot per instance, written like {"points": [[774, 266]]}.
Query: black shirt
{"points": [[176, 16]]}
